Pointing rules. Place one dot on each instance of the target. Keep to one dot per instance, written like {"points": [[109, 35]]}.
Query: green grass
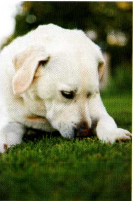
{"points": [[55, 169]]}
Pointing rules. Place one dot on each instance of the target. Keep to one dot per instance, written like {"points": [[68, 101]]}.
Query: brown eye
{"points": [[68, 94], [88, 94]]}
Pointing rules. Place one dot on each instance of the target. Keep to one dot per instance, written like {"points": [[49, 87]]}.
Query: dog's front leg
{"points": [[106, 128], [11, 133]]}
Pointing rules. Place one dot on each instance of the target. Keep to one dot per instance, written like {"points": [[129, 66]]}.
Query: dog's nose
{"points": [[82, 129]]}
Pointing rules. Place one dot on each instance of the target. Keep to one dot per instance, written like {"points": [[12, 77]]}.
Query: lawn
{"points": [[55, 169]]}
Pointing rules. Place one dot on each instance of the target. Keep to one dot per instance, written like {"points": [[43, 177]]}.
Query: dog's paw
{"points": [[3, 147], [118, 134]]}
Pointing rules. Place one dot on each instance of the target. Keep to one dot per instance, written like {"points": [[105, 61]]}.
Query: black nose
{"points": [[82, 129]]}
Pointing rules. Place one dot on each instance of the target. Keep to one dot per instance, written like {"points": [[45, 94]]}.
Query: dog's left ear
{"points": [[101, 69], [26, 64], [101, 63]]}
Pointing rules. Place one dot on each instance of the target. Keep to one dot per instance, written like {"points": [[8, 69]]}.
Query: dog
{"points": [[49, 80]]}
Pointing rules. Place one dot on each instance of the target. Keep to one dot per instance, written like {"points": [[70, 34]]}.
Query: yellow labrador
{"points": [[49, 80]]}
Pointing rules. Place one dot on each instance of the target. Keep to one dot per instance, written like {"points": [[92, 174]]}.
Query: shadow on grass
{"points": [[35, 134]]}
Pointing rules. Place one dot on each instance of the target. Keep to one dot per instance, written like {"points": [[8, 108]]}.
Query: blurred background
{"points": [[109, 24]]}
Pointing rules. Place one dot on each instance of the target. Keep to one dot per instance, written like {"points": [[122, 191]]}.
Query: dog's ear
{"points": [[101, 69], [101, 62], [26, 64]]}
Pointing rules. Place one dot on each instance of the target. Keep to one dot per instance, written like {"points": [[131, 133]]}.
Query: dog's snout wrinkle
{"points": [[82, 129]]}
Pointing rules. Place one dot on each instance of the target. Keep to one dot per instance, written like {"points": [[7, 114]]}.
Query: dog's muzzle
{"points": [[82, 130]]}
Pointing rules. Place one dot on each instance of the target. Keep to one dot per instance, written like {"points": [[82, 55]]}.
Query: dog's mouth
{"points": [[35, 118], [81, 131]]}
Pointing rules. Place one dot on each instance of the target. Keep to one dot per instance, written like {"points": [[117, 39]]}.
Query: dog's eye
{"points": [[88, 94], [68, 94]]}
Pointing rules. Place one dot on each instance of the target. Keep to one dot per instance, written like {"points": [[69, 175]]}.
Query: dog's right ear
{"points": [[26, 64]]}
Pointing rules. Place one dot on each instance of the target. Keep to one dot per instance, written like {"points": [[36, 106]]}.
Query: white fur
{"points": [[73, 65]]}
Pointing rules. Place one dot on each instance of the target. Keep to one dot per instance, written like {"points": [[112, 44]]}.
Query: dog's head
{"points": [[64, 75]]}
